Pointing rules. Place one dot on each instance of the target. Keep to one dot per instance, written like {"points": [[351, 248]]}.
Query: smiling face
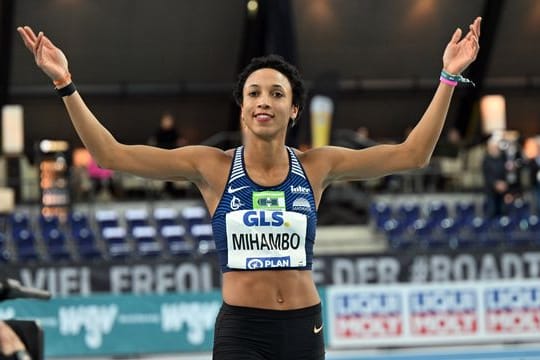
{"points": [[267, 103]]}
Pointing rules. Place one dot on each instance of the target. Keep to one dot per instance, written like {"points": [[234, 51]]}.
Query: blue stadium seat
{"points": [[534, 229], [534, 223], [204, 238], [175, 238], [55, 242], [195, 215], [506, 224], [26, 252], [424, 231], [89, 251], [519, 209], [47, 223], [19, 221], [136, 217], [113, 235], [116, 241], [146, 241], [84, 235], [488, 232], [408, 213], [465, 211], [78, 220], [437, 210], [25, 244], [396, 235], [380, 212], [449, 231], [473, 234], [5, 255], [520, 236], [85, 241], [165, 216], [54, 236], [23, 235], [119, 250], [496, 232], [107, 218]]}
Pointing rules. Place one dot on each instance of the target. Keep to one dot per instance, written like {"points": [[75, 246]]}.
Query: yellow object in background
{"points": [[321, 111]]}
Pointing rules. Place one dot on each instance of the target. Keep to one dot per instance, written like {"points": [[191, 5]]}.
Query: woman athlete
{"points": [[263, 195]]}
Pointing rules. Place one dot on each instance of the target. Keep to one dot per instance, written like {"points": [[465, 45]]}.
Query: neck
{"points": [[265, 153]]}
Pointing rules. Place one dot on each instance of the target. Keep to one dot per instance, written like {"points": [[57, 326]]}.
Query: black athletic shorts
{"points": [[244, 333]]}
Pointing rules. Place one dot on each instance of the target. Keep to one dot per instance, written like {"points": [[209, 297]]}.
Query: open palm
{"points": [[48, 57], [461, 52]]}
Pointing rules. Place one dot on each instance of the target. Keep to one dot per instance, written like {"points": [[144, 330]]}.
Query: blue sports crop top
{"points": [[260, 228]]}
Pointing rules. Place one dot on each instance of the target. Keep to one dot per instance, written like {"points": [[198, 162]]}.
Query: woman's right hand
{"points": [[48, 57]]}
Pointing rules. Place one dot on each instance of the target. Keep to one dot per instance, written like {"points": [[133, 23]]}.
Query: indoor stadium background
{"points": [[410, 266]]}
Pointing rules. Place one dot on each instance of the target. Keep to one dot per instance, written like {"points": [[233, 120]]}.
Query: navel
{"points": [[279, 298]]}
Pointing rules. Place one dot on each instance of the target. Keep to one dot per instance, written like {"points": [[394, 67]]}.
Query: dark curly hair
{"points": [[275, 62]]}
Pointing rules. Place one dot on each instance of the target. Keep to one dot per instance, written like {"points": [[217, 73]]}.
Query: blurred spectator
{"points": [[534, 169], [362, 138], [494, 173], [11, 346], [448, 155], [449, 145], [514, 165], [80, 180], [167, 136], [102, 180]]}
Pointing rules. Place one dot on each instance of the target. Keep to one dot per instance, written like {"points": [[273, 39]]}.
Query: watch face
{"points": [[22, 355]]}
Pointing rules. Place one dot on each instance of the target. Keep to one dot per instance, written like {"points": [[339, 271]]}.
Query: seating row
{"points": [[107, 234]]}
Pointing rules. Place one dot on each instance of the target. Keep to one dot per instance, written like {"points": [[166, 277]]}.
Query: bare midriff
{"points": [[270, 289]]}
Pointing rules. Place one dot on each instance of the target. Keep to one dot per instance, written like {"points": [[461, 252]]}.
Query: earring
{"points": [[293, 121]]}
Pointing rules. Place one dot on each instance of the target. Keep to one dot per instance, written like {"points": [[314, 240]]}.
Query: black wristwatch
{"points": [[20, 355]]}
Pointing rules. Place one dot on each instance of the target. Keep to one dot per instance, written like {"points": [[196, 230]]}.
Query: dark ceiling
{"points": [[184, 55], [199, 41]]}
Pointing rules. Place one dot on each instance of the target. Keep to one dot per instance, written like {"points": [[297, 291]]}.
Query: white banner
{"points": [[435, 314]]}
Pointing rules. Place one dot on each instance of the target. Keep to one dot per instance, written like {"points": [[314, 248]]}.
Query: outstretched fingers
{"points": [[28, 30], [39, 49], [474, 30], [476, 25], [29, 42], [47, 43], [456, 36], [29, 38]]}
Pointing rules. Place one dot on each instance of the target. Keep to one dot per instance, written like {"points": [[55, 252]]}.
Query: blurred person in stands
{"points": [[362, 138], [167, 137], [11, 346], [494, 174], [102, 180], [534, 170], [448, 153], [271, 308], [450, 145]]}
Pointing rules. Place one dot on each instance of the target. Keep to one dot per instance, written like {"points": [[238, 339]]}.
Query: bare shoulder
{"points": [[213, 165], [317, 164], [319, 155], [334, 163], [208, 156], [202, 150], [201, 153]]}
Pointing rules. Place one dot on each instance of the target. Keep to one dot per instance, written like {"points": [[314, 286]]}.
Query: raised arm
{"points": [[416, 150], [181, 163]]}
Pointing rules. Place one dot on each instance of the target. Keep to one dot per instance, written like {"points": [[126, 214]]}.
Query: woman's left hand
{"points": [[461, 52]]}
